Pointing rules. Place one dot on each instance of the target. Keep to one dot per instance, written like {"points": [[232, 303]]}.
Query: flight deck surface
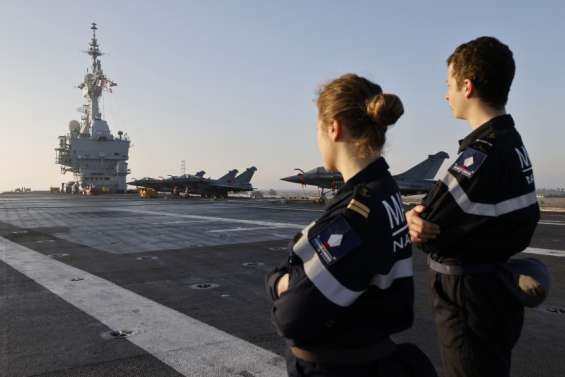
{"points": [[118, 286]]}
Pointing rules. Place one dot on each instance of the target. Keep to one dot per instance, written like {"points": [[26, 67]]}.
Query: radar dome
{"points": [[74, 126]]}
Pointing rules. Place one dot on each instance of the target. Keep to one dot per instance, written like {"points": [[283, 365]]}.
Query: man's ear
{"points": [[335, 130], [469, 88]]}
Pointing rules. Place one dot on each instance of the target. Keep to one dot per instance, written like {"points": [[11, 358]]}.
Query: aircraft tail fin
{"points": [[426, 169], [246, 176], [230, 176]]}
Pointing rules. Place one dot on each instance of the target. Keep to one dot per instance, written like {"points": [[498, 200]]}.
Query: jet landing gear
{"points": [[323, 198], [219, 195], [323, 192]]}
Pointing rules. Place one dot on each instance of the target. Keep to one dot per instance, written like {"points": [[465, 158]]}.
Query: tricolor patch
{"points": [[335, 240], [468, 162]]}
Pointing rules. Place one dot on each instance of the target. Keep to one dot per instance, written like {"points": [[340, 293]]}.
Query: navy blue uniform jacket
{"points": [[350, 271], [486, 203]]}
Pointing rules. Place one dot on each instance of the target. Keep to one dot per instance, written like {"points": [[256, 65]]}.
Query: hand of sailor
{"points": [[420, 230], [282, 285]]}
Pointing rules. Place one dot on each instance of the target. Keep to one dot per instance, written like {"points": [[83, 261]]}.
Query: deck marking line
{"points": [[552, 209], [217, 219], [243, 229], [552, 252], [189, 346], [180, 222], [278, 208], [551, 223]]}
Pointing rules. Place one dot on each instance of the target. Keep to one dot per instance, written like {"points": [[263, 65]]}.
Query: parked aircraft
{"points": [[197, 184], [416, 180]]}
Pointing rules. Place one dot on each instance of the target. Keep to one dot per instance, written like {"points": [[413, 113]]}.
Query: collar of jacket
{"points": [[375, 170], [496, 123]]}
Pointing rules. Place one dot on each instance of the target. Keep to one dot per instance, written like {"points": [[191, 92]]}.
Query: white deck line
{"points": [[279, 208], [243, 229], [189, 346], [551, 252], [549, 222], [552, 209], [213, 218]]}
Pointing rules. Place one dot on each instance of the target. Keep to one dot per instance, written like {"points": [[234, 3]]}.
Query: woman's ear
{"points": [[335, 130]]}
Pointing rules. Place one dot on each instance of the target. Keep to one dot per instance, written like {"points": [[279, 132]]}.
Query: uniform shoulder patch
{"points": [[335, 240], [468, 162], [359, 208], [360, 197]]}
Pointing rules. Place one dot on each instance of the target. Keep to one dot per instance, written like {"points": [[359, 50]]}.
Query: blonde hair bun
{"points": [[385, 109]]}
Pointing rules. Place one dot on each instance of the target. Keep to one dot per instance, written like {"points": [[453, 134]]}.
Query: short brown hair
{"points": [[489, 64], [361, 107]]}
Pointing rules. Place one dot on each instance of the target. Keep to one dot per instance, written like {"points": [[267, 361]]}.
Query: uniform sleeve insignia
{"points": [[335, 241], [358, 207], [468, 162]]}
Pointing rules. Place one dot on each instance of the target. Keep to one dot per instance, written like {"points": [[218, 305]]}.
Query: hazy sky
{"points": [[230, 84]]}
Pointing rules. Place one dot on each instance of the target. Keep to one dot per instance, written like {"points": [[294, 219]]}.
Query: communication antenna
{"points": [[183, 167]]}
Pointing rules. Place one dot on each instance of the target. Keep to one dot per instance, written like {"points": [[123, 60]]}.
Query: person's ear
{"points": [[335, 130], [469, 88]]}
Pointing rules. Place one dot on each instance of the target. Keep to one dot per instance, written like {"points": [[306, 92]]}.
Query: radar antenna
{"points": [[94, 82]]}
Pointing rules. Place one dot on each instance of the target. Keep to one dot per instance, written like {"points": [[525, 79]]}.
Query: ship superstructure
{"points": [[97, 159]]}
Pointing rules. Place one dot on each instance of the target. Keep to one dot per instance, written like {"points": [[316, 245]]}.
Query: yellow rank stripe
{"points": [[358, 210], [358, 207]]}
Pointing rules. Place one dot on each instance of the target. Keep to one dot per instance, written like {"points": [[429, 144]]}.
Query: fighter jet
{"points": [[242, 182], [221, 187], [416, 180], [197, 184], [178, 183], [208, 187], [160, 185]]}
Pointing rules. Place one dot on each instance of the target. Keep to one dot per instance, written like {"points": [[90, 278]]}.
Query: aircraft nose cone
{"points": [[291, 179]]}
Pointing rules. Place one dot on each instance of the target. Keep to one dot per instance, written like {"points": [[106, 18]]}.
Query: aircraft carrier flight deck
{"points": [[120, 286]]}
